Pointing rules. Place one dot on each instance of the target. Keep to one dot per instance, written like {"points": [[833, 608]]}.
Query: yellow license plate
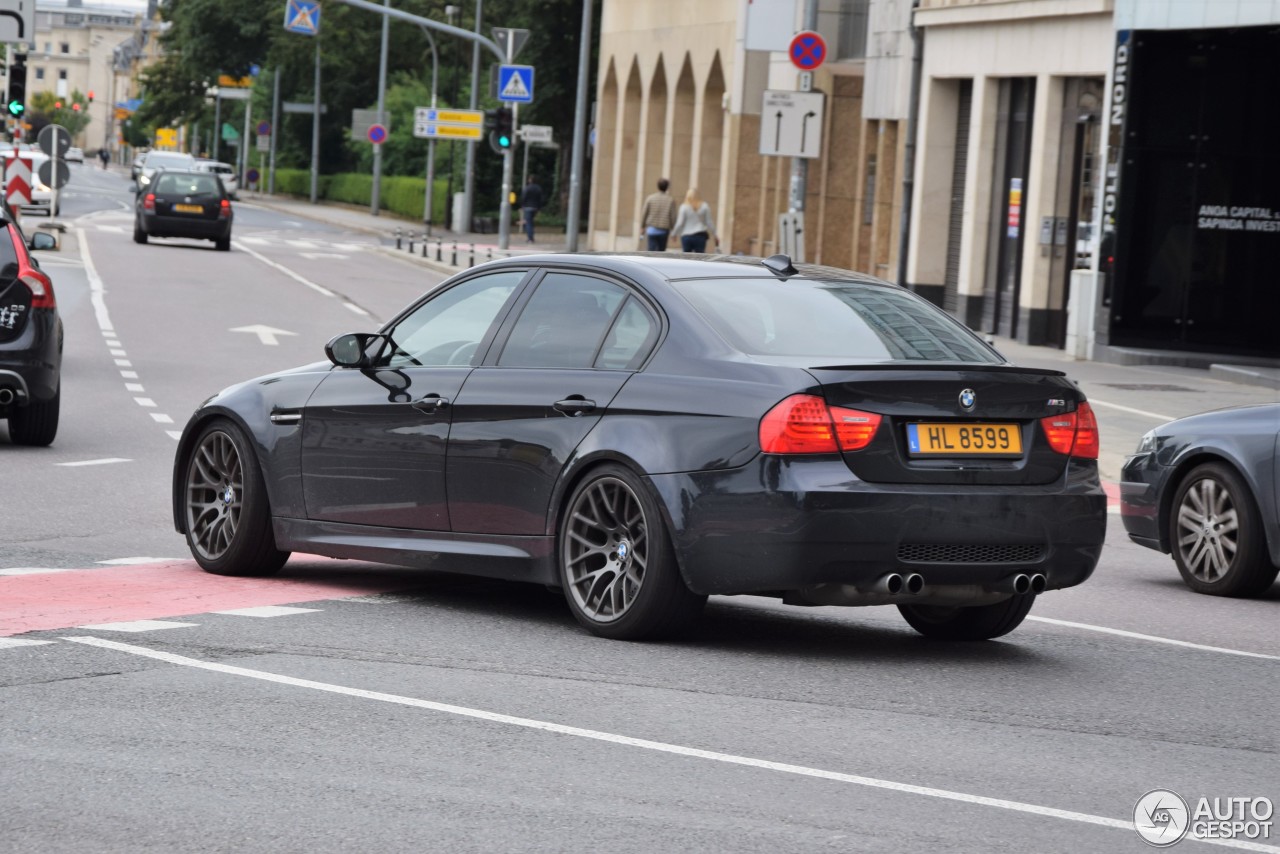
{"points": [[188, 209], [964, 440]]}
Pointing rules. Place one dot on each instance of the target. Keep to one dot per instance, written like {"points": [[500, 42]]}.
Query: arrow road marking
{"points": [[266, 334]]}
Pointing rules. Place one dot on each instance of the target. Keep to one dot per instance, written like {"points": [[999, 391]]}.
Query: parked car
{"points": [[184, 204], [136, 169], [643, 431], [1206, 489], [74, 155], [225, 172], [30, 338], [153, 161]]}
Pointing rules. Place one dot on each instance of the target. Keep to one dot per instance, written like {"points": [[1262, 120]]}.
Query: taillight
{"points": [[225, 210], [41, 288], [1074, 433], [805, 424], [149, 202]]}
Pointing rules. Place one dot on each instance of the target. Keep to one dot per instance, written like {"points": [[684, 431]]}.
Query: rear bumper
{"points": [[785, 523], [177, 226], [30, 364]]}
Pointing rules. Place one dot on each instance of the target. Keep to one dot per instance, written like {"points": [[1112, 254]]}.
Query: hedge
{"points": [[400, 195]]}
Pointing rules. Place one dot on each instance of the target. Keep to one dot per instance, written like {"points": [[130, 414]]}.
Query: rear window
{"points": [[163, 160], [187, 185], [837, 321]]}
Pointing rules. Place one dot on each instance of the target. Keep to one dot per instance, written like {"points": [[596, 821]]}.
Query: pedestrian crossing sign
{"points": [[302, 16], [515, 84]]}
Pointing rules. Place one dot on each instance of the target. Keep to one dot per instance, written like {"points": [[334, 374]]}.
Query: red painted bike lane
{"points": [[60, 600]]}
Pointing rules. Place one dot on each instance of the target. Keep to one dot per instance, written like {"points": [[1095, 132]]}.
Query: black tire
{"points": [[1216, 533], [617, 565], [223, 244], [139, 236], [226, 511], [36, 424], [969, 623]]}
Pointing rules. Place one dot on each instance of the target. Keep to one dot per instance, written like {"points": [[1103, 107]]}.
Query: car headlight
{"points": [[1147, 443]]}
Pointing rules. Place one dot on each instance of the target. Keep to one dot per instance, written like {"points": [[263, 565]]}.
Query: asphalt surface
{"points": [[407, 711]]}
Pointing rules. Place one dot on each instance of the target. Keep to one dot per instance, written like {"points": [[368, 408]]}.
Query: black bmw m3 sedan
{"points": [[643, 431]]}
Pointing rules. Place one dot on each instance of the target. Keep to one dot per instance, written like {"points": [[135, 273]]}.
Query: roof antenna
{"points": [[780, 265]]}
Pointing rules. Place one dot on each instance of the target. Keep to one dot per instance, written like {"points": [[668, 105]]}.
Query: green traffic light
{"points": [[16, 108], [504, 141]]}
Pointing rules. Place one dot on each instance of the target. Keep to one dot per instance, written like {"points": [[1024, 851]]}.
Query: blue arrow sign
{"points": [[302, 16], [515, 84]]}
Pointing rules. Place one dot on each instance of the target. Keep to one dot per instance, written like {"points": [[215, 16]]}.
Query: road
{"points": [[347, 706]]}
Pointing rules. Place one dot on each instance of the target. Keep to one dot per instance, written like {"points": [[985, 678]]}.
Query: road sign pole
{"points": [[315, 130], [376, 199], [799, 165], [579, 129], [508, 162], [275, 134], [469, 176]]}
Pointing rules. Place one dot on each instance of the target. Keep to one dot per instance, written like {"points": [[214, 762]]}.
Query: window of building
{"points": [[62, 74], [65, 47], [48, 47], [39, 73], [851, 42]]}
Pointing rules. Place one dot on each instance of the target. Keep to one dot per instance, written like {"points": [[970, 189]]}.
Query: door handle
{"points": [[575, 405], [430, 403]]}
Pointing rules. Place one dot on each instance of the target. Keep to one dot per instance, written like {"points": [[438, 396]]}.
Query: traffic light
{"points": [[501, 134], [17, 103]]}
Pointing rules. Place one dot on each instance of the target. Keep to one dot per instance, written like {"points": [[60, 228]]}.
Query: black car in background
{"points": [[644, 431], [30, 338], [1206, 488], [185, 203]]}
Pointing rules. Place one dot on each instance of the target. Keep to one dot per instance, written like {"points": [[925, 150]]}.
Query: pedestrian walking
{"points": [[694, 225], [657, 217], [530, 204], [104, 156]]}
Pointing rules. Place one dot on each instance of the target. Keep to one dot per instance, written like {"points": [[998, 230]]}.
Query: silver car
{"points": [[157, 160], [225, 172]]}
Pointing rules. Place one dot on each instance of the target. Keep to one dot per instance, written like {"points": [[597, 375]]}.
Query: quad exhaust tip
{"points": [[913, 583], [1039, 583], [6, 396], [1023, 583]]}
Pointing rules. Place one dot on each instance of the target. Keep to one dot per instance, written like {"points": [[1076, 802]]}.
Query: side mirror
{"points": [[355, 349], [43, 240]]}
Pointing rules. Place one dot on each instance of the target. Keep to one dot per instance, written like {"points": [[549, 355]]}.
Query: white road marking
{"points": [[134, 387], [317, 256], [129, 375], [349, 247], [116, 229], [174, 434], [355, 308], [138, 626], [145, 401], [161, 418], [1125, 825], [14, 642], [266, 334], [268, 611], [1154, 415], [303, 244], [123, 363], [130, 561], [111, 342], [1153, 638], [105, 461], [320, 289], [255, 241], [31, 570], [384, 598], [118, 352], [95, 287]]}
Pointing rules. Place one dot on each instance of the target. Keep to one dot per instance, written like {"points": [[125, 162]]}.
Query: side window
{"points": [[448, 329], [630, 339], [564, 323]]}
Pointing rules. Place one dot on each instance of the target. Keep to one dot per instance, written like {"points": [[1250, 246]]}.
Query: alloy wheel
{"points": [[606, 549], [1208, 530], [215, 492]]}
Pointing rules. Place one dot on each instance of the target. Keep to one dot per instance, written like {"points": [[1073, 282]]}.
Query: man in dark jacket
{"points": [[530, 204]]}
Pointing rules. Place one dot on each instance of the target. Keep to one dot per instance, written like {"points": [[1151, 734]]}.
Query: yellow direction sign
{"points": [[166, 137], [430, 123], [235, 82]]}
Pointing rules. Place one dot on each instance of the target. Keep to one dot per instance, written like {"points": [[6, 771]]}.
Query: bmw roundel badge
{"points": [[968, 400]]}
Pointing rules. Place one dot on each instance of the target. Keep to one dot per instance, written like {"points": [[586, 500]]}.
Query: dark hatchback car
{"points": [[1207, 489], [30, 339], [184, 204], [643, 431]]}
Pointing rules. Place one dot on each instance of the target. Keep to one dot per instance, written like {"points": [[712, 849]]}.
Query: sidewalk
{"points": [[449, 253]]}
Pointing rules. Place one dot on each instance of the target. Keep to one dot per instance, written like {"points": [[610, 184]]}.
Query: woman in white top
{"points": [[693, 224]]}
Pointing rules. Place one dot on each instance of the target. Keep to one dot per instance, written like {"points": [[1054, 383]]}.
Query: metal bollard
{"points": [[489, 252], [410, 236], [397, 238], [425, 235], [439, 256], [472, 261], [453, 262]]}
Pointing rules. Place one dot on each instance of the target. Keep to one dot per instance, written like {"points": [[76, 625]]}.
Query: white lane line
{"points": [[320, 289], [1153, 638], [130, 561], [145, 401], [267, 611], [161, 418], [357, 309], [123, 363], [15, 642], [97, 292], [134, 387], [645, 744], [1155, 415], [105, 461], [31, 570], [129, 375], [174, 434], [255, 241], [118, 352], [138, 626]]}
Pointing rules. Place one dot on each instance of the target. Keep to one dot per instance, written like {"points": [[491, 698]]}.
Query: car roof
{"points": [[675, 267]]}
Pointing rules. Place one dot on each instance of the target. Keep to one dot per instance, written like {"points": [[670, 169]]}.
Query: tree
{"points": [[71, 112]]}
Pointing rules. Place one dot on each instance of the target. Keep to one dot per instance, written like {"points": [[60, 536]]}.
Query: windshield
{"points": [[834, 321]]}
